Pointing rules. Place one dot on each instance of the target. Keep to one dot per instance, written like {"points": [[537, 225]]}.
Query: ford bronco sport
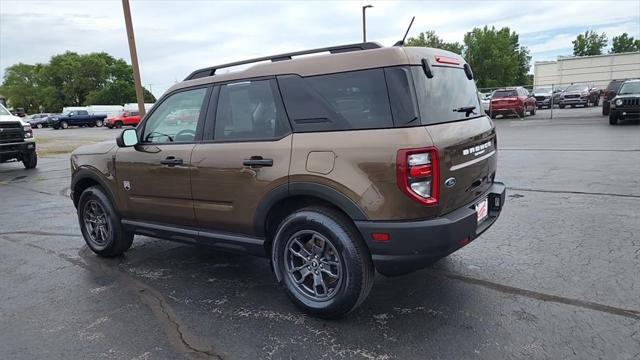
{"points": [[362, 158]]}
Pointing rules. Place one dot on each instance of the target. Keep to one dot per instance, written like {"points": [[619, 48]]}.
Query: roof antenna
{"points": [[401, 42]]}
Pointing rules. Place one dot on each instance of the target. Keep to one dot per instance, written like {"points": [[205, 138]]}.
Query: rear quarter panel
{"points": [[361, 165]]}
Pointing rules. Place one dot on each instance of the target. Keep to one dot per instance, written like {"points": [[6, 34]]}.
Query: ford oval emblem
{"points": [[450, 182]]}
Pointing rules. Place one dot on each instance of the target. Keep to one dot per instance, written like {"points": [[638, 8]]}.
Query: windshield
{"points": [[630, 88], [448, 96], [542, 90], [577, 88], [4, 111], [504, 93]]}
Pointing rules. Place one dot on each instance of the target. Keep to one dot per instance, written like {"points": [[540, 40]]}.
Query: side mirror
{"points": [[127, 138]]}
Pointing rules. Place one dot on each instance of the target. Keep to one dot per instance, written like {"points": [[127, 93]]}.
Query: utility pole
{"points": [[134, 57], [364, 22]]}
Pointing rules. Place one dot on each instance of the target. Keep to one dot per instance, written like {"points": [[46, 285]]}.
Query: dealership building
{"points": [[596, 70]]}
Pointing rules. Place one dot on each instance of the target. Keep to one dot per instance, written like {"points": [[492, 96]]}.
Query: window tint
{"points": [[249, 110], [176, 118], [614, 85], [448, 96], [350, 100], [505, 93]]}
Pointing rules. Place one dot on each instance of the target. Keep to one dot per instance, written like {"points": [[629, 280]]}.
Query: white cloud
{"points": [[174, 38]]}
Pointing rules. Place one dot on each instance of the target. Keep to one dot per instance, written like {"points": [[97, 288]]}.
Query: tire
{"points": [[99, 123], [39, 126], [64, 125], [303, 234], [30, 160], [613, 118], [112, 240], [118, 124]]}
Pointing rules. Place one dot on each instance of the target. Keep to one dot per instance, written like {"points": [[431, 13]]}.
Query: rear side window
{"points": [[614, 85], [345, 101], [448, 96], [249, 110]]}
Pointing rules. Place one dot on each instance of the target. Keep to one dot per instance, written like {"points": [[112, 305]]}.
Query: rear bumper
{"points": [[414, 245], [504, 110]]}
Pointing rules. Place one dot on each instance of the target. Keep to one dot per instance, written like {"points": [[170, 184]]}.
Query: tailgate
{"points": [[467, 154]]}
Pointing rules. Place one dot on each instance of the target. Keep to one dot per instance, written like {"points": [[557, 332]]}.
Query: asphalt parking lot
{"points": [[556, 277]]}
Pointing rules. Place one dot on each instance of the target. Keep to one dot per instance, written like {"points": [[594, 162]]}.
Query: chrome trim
{"points": [[471, 162]]}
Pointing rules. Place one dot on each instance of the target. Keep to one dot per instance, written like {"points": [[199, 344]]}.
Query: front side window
{"points": [[249, 110], [175, 119]]}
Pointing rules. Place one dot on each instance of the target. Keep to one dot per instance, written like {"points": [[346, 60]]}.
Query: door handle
{"points": [[171, 161], [257, 161]]}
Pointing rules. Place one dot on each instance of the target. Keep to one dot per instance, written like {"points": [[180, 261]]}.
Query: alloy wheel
{"points": [[96, 223], [313, 265]]}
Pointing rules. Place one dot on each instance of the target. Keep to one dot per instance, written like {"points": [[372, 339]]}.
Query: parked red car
{"points": [[131, 118], [512, 101]]}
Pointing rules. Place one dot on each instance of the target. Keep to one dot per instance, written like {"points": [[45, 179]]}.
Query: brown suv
{"points": [[331, 165]]}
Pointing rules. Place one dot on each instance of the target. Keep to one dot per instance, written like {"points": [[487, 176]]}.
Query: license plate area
{"points": [[482, 210]]}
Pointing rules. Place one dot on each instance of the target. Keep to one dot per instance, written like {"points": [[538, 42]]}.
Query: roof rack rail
{"points": [[210, 71]]}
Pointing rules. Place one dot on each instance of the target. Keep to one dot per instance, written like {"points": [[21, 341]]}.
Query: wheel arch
{"points": [[287, 198], [85, 178]]}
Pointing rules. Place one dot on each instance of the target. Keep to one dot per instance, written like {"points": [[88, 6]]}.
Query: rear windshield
{"points": [[448, 96], [630, 88], [505, 93]]}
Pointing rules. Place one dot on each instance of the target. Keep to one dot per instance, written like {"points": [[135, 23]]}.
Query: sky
{"points": [[176, 37]]}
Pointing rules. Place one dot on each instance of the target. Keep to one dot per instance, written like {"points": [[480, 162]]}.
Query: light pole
{"points": [[364, 22], [134, 57]]}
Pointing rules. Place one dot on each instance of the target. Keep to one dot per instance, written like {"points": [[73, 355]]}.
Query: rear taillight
{"points": [[417, 174]]}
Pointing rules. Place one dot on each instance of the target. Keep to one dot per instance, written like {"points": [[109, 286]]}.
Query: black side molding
{"points": [[238, 243]]}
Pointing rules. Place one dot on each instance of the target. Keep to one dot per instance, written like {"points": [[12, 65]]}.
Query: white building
{"points": [[597, 70]]}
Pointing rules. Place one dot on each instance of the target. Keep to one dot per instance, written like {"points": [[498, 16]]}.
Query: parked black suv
{"points": [[626, 105], [16, 140], [610, 93]]}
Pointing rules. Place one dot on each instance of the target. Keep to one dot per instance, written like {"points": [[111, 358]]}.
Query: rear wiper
{"points": [[465, 109]]}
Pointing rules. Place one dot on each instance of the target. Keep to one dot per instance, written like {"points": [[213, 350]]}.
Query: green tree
{"points": [[430, 39], [496, 57], [70, 79], [589, 43], [624, 43], [18, 86], [117, 92]]}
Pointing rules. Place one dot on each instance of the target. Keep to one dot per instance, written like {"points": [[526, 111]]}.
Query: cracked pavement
{"points": [[556, 277]]}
